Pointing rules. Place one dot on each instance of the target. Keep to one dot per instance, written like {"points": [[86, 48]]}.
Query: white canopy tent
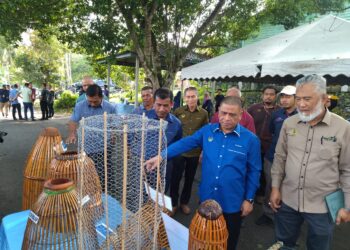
{"points": [[322, 47]]}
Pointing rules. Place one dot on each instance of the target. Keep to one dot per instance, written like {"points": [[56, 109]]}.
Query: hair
{"points": [[234, 89], [269, 87], [147, 88], [191, 89], [45, 85], [318, 81], [219, 90], [94, 90], [232, 100], [26, 84], [15, 86], [163, 93]]}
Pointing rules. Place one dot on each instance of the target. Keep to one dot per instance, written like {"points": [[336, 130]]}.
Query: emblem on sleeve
{"points": [[210, 139]]}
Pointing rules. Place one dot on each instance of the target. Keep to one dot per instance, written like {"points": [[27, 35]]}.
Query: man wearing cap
{"points": [[287, 103]]}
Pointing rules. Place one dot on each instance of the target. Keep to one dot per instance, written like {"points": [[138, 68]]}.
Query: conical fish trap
{"points": [[208, 228], [68, 165], [53, 222], [36, 169]]}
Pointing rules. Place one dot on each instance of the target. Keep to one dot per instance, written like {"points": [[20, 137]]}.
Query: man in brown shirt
{"points": [[192, 118], [261, 113], [311, 161]]}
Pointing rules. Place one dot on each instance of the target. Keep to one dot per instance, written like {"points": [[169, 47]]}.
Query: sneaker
{"points": [[185, 209], [263, 220], [277, 245]]}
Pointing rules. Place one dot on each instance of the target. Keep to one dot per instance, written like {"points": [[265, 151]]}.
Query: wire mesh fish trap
{"points": [[53, 221], [119, 145], [37, 164]]}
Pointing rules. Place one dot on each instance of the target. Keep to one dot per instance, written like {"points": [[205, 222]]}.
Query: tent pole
{"points": [[108, 75], [137, 62]]}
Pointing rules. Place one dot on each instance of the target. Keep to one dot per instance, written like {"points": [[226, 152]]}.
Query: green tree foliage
{"points": [[290, 13], [81, 67], [66, 101], [41, 61], [161, 32]]}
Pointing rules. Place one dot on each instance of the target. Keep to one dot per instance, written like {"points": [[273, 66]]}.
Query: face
{"points": [[229, 116], [287, 101], [94, 101], [191, 98], [162, 107], [147, 97], [86, 82], [30, 85], [269, 96], [310, 104]]}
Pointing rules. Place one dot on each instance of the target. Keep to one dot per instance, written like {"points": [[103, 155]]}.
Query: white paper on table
{"points": [[168, 205], [176, 232]]}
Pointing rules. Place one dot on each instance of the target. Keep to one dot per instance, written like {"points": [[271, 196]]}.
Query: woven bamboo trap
{"points": [[208, 228], [36, 168], [53, 222], [68, 165]]}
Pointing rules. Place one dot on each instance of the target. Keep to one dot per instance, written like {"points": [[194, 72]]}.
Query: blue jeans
{"points": [[28, 105], [288, 223]]}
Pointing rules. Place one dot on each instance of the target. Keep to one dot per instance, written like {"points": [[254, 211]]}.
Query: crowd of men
{"points": [[12, 98], [291, 154]]}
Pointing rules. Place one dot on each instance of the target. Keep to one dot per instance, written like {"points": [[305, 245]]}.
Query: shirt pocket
{"points": [[329, 151]]}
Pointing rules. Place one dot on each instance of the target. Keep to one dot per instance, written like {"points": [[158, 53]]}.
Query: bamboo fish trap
{"points": [[53, 222], [36, 169], [208, 228], [68, 165]]}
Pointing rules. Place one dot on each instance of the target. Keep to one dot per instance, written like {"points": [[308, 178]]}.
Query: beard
{"points": [[309, 117]]}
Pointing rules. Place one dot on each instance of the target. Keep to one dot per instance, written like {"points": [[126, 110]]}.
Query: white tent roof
{"points": [[322, 47]]}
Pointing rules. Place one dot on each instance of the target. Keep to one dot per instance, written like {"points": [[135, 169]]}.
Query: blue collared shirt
{"points": [[276, 122], [13, 96], [140, 110], [231, 164], [173, 131], [83, 109]]}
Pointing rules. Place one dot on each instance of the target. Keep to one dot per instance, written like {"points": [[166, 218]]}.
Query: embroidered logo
{"points": [[292, 132], [210, 139], [183, 116], [329, 138]]}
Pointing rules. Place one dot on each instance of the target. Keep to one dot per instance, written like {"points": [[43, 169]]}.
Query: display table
{"points": [[13, 227]]}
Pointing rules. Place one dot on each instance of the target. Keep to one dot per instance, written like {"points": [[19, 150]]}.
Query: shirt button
{"points": [[301, 188], [220, 155], [219, 166], [217, 177], [215, 188], [223, 146], [301, 177]]}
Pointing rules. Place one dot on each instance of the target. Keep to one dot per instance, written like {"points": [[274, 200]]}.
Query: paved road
{"points": [[22, 135]]}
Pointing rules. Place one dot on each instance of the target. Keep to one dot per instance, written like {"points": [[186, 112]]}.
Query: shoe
{"points": [[15, 119], [42, 119], [33, 120], [185, 209], [263, 220], [172, 213], [21, 119], [276, 246]]}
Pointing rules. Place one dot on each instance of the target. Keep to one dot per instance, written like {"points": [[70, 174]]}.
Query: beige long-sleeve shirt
{"points": [[312, 161]]}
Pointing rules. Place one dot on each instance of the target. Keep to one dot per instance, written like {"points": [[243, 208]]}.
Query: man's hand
{"points": [[275, 199], [152, 163], [246, 208], [72, 138], [343, 216]]}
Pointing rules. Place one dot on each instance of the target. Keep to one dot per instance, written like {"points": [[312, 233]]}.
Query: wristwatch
{"points": [[251, 201]]}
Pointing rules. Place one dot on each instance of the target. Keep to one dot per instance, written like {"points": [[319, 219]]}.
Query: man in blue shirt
{"points": [[93, 105], [287, 102], [147, 101], [231, 164], [161, 110], [14, 94]]}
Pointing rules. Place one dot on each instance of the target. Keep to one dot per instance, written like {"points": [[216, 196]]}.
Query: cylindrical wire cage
{"points": [[37, 165], [119, 145]]}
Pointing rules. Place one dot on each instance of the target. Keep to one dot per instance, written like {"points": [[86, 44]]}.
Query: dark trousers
{"points": [[44, 110], [28, 105], [18, 108], [168, 175], [233, 223], [288, 223], [51, 110], [261, 189], [181, 165]]}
